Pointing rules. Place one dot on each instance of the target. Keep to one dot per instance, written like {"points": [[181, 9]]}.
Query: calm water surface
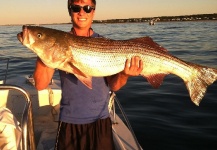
{"points": [[164, 118]]}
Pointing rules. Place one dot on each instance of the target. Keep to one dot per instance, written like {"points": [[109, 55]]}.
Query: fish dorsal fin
{"points": [[156, 79], [149, 41]]}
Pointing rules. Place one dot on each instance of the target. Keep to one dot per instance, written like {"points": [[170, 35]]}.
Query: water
{"points": [[164, 118]]}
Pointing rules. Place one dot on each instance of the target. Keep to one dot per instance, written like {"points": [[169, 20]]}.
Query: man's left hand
{"points": [[133, 67]]}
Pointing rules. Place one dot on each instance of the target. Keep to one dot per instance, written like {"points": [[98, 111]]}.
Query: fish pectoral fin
{"points": [[85, 80], [149, 41], [156, 79], [76, 71]]}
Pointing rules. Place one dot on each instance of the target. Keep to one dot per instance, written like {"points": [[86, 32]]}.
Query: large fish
{"points": [[86, 57]]}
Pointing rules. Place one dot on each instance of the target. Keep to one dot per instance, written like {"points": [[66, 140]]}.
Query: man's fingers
{"points": [[127, 63]]}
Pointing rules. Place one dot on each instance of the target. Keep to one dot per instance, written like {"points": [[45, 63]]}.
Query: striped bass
{"points": [[86, 57]]}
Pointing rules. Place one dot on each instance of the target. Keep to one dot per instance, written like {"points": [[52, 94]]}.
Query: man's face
{"points": [[82, 19]]}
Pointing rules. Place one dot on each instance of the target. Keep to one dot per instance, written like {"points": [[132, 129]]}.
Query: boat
{"points": [[37, 114], [152, 22]]}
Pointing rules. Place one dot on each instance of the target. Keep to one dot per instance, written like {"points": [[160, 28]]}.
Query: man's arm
{"points": [[42, 75], [133, 67]]}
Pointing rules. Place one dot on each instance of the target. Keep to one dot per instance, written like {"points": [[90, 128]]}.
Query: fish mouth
{"points": [[22, 36]]}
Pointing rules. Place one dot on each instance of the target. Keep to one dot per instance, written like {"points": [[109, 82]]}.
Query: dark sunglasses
{"points": [[77, 8]]}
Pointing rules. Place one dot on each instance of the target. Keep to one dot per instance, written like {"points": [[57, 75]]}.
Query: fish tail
{"points": [[197, 86]]}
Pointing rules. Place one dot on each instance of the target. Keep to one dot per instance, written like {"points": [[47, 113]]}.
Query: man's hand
{"points": [[133, 67]]}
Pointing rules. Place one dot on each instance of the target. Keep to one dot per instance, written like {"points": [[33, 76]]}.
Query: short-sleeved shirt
{"points": [[81, 105]]}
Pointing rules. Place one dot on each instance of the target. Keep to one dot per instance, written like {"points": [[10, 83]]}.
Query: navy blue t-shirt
{"points": [[81, 105]]}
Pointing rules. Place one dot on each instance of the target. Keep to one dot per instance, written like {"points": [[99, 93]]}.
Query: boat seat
{"points": [[26, 124], [10, 131]]}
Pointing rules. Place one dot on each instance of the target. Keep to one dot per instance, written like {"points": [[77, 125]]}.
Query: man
{"points": [[84, 117]]}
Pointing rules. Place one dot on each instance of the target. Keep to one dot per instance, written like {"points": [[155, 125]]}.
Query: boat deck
{"points": [[45, 109]]}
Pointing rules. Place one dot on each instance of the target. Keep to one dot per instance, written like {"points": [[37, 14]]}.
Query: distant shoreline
{"points": [[185, 18], [148, 22], [108, 23], [199, 17]]}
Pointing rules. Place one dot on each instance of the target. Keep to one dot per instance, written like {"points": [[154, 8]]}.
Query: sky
{"points": [[55, 11]]}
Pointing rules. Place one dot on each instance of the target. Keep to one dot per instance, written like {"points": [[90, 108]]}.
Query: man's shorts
{"points": [[93, 136]]}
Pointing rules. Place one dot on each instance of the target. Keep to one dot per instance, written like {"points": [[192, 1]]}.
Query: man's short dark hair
{"points": [[72, 1]]}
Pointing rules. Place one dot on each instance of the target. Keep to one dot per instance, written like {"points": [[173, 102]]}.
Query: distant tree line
{"points": [[197, 17]]}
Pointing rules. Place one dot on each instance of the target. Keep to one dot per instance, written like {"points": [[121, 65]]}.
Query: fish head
{"points": [[36, 38], [49, 44]]}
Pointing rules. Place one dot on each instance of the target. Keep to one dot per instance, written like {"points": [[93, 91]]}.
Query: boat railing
{"points": [[5, 70], [28, 139], [114, 100]]}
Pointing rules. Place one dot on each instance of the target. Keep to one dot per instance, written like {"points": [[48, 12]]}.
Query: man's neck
{"points": [[82, 32]]}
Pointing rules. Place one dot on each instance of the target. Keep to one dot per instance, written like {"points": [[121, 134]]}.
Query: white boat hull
{"points": [[45, 106]]}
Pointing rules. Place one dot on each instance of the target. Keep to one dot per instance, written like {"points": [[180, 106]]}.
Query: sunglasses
{"points": [[77, 8]]}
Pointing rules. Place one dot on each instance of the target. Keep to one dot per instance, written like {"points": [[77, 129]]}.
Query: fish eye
{"points": [[39, 35]]}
